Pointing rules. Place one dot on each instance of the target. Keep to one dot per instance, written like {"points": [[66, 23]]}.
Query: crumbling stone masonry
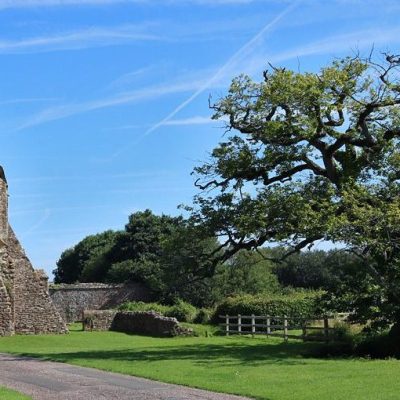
{"points": [[25, 305], [138, 322], [72, 299]]}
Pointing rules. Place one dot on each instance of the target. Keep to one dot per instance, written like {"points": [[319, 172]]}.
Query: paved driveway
{"points": [[56, 381]]}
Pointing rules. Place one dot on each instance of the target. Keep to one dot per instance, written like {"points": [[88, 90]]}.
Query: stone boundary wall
{"points": [[139, 322], [71, 300]]}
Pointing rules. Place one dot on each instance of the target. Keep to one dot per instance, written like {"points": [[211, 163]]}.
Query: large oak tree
{"points": [[313, 156]]}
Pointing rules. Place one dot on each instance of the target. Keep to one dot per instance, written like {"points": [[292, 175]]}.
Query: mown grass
{"points": [[261, 368], [7, 394]]}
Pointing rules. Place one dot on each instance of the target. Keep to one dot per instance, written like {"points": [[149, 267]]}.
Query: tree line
{"points": [[310, 156], [164, 253]]}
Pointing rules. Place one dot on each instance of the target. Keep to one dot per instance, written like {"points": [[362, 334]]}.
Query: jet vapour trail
{"points": [[268, 27], [221, 71]]}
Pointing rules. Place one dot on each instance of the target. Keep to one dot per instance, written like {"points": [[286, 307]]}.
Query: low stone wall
{"points": [[72, 300], [98, 320], [145, 322]]}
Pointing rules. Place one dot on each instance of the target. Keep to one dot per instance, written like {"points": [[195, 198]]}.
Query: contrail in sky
{"points": [[42, 220], [268, 27], [221, 71]]}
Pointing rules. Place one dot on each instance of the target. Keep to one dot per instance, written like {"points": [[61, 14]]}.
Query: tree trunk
{"points": [[394, 335]]}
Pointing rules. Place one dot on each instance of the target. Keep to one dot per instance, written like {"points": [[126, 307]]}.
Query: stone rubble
{"points": [[139, 322]]}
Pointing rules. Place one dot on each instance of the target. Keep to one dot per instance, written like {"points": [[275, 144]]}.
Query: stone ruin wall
{"points": [[6, 271], [136, 322], [72, 299], [25, 304]]}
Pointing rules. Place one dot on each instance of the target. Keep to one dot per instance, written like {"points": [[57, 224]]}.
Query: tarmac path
{"points": [[44, 380]]}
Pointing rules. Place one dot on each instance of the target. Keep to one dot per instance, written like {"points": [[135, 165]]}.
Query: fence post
{"points": [[285, 328], [253, 324], [326, 329], [304, 329], [239, 324], [227, 324]]}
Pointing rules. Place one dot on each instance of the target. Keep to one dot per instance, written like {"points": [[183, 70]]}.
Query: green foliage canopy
{"points": [[314, 156], [74, 263], [168, 254], [317, 269]]}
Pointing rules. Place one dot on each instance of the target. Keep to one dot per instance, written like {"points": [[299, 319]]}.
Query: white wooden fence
{"points": [[279, 326]]}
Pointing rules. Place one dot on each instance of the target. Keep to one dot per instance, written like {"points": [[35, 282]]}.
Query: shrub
{"points": [[302, 304], [141, 306], [203, 316], [381, 345], [350, 340], [182, 311]]}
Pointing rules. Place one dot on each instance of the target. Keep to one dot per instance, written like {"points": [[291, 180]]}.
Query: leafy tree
{"points": [[75, 260], [131, 250], [247, 272], [166, 253], [143, 235], [318, 269], [185, 266], [314, 156], [136, 252]]}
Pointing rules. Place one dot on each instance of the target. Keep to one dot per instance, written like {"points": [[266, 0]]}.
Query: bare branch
{"points": [[301, 245]]}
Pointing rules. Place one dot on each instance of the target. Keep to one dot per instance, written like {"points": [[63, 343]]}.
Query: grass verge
{"points": [[261, 368], [8, 394]]}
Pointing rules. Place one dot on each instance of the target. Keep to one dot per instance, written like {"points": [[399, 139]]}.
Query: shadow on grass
{"points": [[200, 354]]}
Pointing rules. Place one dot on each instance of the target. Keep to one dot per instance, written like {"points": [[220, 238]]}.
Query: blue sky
{"points": [[104, 103]]}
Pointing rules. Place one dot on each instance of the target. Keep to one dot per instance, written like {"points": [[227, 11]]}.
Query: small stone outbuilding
{"points": [[25, 304]]}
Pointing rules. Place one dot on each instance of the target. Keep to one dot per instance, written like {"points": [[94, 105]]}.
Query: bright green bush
{"points": [[302, 304], [204, 316], [141, 306], [182, 311]]}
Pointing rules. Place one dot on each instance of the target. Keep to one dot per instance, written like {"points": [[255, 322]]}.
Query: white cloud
{"points": [[6, 4], [345, 42], [90, 37], [334, 45], [147, 93], [46, 215], [26, 100], [105, 177], [221, 73], [130, 77], [197, 120], [12, 4]]}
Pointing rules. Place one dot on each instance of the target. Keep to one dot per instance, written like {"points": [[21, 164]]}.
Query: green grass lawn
{"points": [[6, 394], [262, 368]]}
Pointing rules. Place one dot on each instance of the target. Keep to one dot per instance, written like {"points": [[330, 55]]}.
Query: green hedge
{"points": [[298, 304], [303, 304], [141, 306], [182, 311]]}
